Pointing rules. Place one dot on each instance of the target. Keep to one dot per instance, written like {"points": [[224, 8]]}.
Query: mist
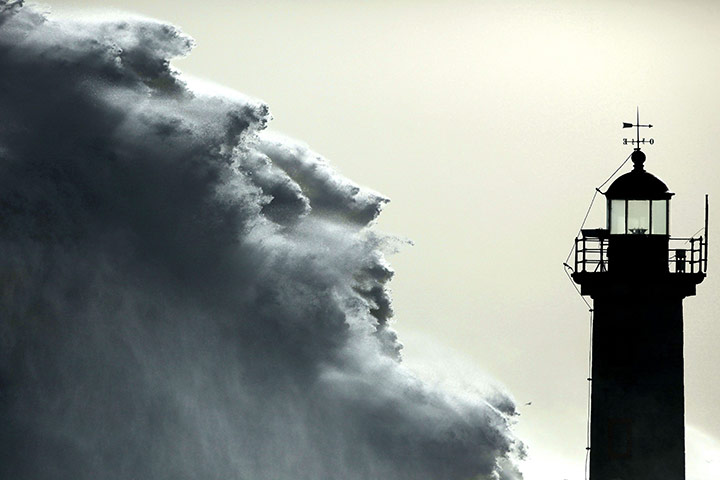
{"points": [[186, 294]]}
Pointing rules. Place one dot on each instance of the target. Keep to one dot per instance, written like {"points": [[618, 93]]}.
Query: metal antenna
{"points": [[637, 141]]}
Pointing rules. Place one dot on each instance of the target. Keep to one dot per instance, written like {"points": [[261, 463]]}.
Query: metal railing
{"points": [[687, 260], [591, 254], [685, 255]]}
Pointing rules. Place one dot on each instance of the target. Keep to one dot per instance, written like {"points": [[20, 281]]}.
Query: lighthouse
{"points": [[637, 276]]}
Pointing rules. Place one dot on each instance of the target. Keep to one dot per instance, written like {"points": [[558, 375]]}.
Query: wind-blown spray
{"points": [[185, 295]]}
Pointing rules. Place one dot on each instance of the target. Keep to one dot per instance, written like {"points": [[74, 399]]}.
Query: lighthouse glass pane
{"points": [[638, 217], [659, 217], [617, 217]]}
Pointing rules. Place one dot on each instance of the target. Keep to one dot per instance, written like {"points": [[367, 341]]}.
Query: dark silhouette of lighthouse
{"points": [[638, 276]]}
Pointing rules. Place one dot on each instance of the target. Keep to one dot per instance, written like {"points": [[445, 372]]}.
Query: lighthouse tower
{"points": [[638, 276]]}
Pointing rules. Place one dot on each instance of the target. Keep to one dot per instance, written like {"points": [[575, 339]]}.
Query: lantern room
{"points": [[638, 220], [638, 203]]}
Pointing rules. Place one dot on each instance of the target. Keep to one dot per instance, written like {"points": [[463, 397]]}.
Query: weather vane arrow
{"points": [[637, 125]]}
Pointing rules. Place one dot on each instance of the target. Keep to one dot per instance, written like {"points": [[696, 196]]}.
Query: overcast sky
{"points": [[488, 125]]}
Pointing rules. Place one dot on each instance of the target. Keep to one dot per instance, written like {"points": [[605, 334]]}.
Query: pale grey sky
{"points": [[489, 124]]}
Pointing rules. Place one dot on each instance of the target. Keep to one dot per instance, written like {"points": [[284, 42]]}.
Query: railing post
{"points": [[707, 234], [577, 254], [692, 255]]}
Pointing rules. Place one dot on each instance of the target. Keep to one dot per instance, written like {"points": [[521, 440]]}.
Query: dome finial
{"points": [[638, 159]]}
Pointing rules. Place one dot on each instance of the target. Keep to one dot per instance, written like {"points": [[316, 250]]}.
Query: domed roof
{"points": [[638, 184]]}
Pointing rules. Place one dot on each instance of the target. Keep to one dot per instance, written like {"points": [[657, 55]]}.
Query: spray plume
{"points": [[185, 295]]}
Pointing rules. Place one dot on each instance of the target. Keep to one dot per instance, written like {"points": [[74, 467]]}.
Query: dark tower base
{"points": [[638, 436], [638, 407]]}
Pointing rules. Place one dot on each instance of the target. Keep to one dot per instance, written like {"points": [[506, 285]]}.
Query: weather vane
{"points": [[637, 141]]}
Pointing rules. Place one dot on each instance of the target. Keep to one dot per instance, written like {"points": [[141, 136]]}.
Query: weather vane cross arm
{"points": [[637, 125]]}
